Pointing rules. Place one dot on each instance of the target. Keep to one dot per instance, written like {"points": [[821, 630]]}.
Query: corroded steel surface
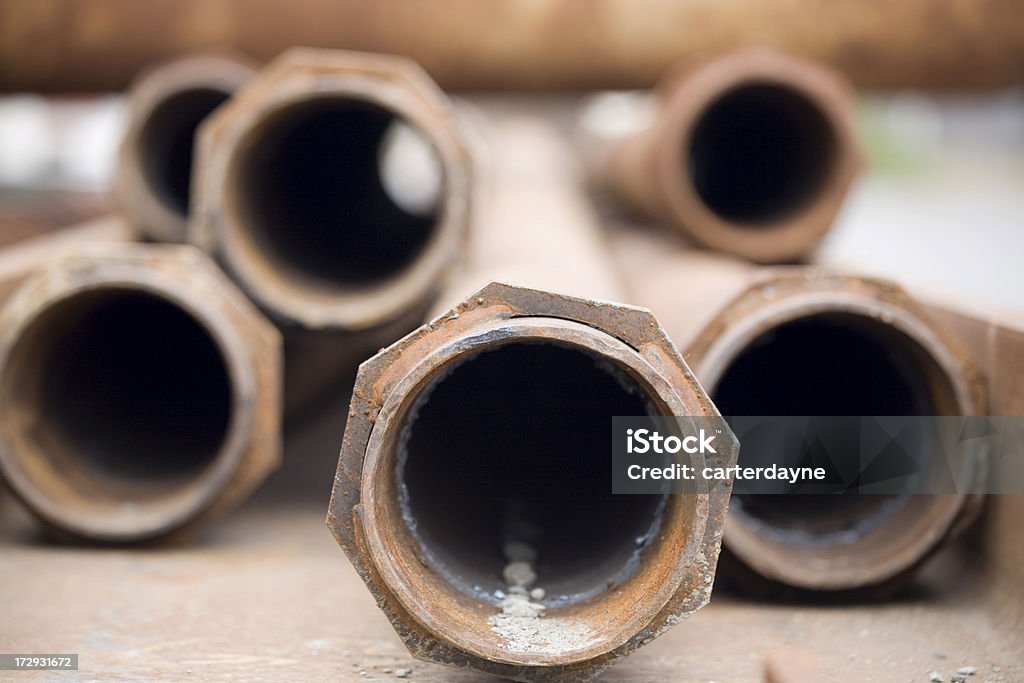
{"points": [[248, 346], [452, 628]]}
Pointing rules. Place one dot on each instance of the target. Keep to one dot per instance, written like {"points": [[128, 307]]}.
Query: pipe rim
{"points": [[201, 492], [934, 515], [795, 234], [366, 306], [422, 605], [134, 189]]}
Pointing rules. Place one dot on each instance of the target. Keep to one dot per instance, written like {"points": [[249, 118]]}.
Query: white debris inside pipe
{"points": [[522, 622]]}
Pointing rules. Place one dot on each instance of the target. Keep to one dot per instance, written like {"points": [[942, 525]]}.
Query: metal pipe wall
{"points": [[167, 105], [455, 449], [139, 391], [751, 153], [807, 327], [578, 44]]}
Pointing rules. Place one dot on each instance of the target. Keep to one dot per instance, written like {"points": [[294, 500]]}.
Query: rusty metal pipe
{"points": [[298, 198], [434, 528], [578, 44], [335, 189], [808, 341], [139, 393], [167, 104], [751, 154]]}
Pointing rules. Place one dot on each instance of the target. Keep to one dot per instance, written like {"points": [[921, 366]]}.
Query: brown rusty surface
{"points": [[535, 226], [996, 342], [684, 288], [102, 44]]}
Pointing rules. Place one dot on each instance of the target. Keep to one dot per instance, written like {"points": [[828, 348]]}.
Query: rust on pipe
{"points": [[536, 226], [751, 154], [808, 341], [455, 462], [28, 256], [996, 343], [563, 44], [166, 106], [336, 190], [298, 197], [139, 393]]}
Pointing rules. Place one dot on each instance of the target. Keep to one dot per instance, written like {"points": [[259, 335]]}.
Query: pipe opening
{"points": [[168, 141], [511, 446], [760, 153], [338, 192], [832, 364], [122, 392]]}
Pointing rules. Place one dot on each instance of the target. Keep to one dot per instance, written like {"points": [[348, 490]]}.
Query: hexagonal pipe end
{"points": [[255, 215], [140, 393], [425, 584]]}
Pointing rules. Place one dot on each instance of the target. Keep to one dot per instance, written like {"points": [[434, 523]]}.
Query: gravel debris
{"points": [[521, 621], [519, 574]]}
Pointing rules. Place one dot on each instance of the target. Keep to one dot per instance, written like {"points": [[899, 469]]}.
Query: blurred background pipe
{"points": [[566, 44], [139, 393], [304, 193], [166, 106], [474, 443], [996, 343], [807, 341], [750, 154], [536, 227], [336, 190]]}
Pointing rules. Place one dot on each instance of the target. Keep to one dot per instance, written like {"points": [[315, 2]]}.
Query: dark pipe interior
{"points": [[131, 390], [514, 444], [825, 365], [168, 140], [311, 191], [760, 153]]}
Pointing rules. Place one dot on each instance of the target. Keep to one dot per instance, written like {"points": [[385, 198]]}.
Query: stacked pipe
{"points": [[141, 389], [139, 393], [524, 565], [752, 154], [304, 194], [328, 204], [167, 105], [802, 340]]}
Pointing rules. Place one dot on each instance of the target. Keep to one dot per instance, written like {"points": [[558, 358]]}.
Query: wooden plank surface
{"points": [[269, 596]]}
